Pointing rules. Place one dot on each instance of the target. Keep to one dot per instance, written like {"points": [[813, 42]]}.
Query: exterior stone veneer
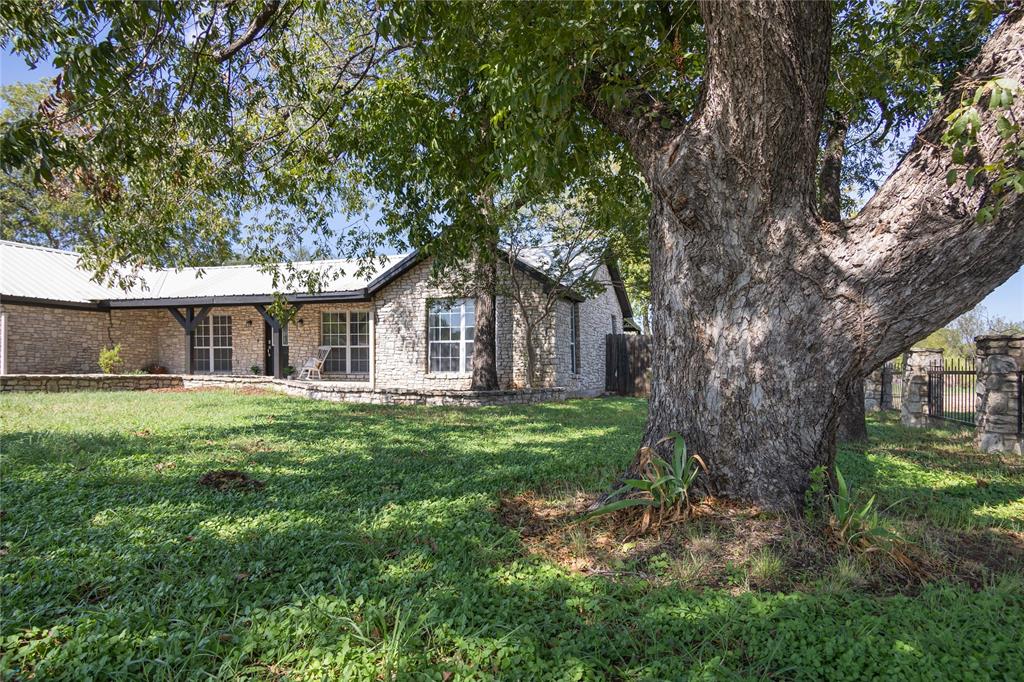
{"points": [[66, 340], [916, 363], [999, 359]]}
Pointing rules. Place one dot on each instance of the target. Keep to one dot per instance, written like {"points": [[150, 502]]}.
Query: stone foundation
{"points": [[999, 361]]}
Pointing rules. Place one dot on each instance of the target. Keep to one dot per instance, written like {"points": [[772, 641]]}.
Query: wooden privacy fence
{"points": [[628, 364]]}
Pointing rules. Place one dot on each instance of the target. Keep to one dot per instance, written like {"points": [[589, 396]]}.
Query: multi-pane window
{"points": [[348, 335], [211, 344], [574, 339], [450, 332]]}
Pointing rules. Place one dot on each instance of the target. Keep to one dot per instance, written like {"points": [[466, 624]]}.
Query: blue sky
{"points": [[1006, 301]]}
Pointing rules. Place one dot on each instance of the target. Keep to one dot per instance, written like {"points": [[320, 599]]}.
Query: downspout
{"points": [[373, 344], [3, 343]]}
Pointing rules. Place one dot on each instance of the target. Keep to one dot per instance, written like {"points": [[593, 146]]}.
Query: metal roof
{"points": [[36, 272]]}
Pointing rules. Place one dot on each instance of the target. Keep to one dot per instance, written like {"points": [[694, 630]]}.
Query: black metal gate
{"points": [[952, 391]]}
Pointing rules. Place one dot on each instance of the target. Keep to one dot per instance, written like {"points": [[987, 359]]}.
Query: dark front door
{"points": [[268, 345]]}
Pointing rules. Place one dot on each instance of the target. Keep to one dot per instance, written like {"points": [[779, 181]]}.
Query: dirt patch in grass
{"points": [[230, 479], [741, 548]]}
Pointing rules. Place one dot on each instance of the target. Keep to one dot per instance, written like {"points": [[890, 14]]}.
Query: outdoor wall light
{"points": [[248, 323], [302, 322]]}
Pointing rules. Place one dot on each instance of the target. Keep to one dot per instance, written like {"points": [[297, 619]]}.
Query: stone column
{"points": [[875, 390], [999, 361], [916, 364]]}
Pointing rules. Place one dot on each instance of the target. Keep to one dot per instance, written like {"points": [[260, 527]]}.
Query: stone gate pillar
{"points": [[999, 361], [916, 364], [875, 390]]}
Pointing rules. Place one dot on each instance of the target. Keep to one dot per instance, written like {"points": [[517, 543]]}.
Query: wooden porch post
{"points": [[189, 321]]}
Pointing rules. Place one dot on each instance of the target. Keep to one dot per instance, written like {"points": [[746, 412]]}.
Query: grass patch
{"points": [[398, 542]]}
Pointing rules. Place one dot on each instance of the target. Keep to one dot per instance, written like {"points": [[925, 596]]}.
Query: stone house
{"points": [[394, 328]]}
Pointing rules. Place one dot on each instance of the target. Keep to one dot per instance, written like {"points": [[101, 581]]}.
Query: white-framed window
{"points": [[211, 345], [574, 338], [348, 335], [450, 331]]}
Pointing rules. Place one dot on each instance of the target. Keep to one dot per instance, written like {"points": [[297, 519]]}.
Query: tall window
{"points": [[450, 330], [574, 338], [348, 335], [211, 346]]}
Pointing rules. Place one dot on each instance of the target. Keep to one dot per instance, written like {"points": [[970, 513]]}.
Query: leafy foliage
{"points": [[858, 526], [957, 338], [56, 215], [1004, 164], [891, 64]]}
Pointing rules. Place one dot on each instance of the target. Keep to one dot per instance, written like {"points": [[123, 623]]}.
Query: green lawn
{"points": [[374, 552]]}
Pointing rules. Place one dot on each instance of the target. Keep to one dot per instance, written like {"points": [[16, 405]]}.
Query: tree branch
{"points": [[916, 251], [645, 123], [259, 23]]}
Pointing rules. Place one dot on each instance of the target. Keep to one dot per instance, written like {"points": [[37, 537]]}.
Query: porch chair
{"points": [[315, 365]]}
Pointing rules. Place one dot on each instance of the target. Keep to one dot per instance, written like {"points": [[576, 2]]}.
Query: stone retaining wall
{"points": [[342, 392], [352, 392], [60, 383]]}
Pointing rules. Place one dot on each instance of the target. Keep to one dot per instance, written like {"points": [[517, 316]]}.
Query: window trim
{"points": [[465, 357], [346, 319], [209, 349]]}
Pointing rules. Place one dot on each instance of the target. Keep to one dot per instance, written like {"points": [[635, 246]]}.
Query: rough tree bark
{"points": [[485, 366], [764, 313], [852, 424]]}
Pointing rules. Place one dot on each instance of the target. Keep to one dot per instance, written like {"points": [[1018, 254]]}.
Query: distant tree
{"points": [[559, 243], [55, 214]]}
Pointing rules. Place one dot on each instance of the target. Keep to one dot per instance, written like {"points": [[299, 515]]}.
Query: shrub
{"points": [[256, 369], [664, 488], [289, 371], [859, 527], [110, 359], [814, 496]]}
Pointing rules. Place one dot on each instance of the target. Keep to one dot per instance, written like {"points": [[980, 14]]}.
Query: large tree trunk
{"points": [[485, 363], [852, 422], [764, 314], [853, 427]]}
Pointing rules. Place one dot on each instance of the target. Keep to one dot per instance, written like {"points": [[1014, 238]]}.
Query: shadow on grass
{"points": [[373, 545], [935, 474]]}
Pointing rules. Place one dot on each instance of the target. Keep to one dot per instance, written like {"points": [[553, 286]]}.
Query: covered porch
{"points": [[236, 338]]}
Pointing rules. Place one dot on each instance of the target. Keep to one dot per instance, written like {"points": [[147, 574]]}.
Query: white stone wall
{"points": [[599, 316], [46, 340]]}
